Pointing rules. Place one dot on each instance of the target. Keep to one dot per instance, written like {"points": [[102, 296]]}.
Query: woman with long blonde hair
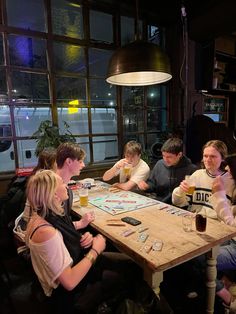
{"points": [[63, 258]]}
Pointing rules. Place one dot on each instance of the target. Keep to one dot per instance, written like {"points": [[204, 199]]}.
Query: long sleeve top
{"points": [[203, 192], [163, 179]]}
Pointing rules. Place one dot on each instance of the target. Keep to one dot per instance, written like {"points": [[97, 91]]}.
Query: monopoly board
{"points": [[121, 202]]}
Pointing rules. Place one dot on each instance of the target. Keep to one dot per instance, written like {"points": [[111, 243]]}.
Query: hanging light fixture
{"points": [[138, 63]]}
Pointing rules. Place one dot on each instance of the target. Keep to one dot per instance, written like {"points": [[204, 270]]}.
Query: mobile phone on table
{"points": [[132, 221]]}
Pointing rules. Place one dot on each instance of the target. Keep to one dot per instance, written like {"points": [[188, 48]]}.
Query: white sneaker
{"points": [[192, 295]]}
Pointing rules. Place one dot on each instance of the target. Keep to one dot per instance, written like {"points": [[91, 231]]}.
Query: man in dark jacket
{"points": [[168, 171]]}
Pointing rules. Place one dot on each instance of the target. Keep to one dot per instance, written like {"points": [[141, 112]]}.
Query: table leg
{"points": [[154, 280], [211, 273]]}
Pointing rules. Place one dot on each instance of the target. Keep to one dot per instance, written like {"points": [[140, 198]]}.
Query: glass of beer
{"points": [[127, 170], [191, 184], [83, 197], [201, 220]]}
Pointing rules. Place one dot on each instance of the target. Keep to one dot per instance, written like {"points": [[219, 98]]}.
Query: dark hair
{"points": [[231, 162], [173, 145], [46, 160], [132, 148], [69, 150]]}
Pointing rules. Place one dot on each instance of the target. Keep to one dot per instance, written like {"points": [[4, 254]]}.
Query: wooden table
{"points": [[179, 246]]}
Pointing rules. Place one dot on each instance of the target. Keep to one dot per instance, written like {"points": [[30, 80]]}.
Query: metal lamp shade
{"points": [[137, 64]]}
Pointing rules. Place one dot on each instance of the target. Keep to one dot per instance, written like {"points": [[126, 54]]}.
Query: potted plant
{"points": [[48, 135]]}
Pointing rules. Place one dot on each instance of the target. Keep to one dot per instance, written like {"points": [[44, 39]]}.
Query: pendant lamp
{"points": [[138, 63]]}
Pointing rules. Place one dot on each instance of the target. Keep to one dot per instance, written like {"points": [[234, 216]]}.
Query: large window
{"points": [[53, 67]]}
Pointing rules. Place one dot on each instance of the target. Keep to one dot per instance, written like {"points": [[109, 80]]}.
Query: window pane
{"points": [[26, 155], [67, 19], [134, 137], [84, 143], [102, 93], [104, 32], [154, 96], [3, 86], [26, 14], [27, 119], [1, 51], [71, 89], [7, 156], [133, 112], [5, 121], [154, 120], [98, 62], [69, 58], [133, 120], [6, 146], [105, 148], [27, 51], [127, 30], [104, 120], [156, 111], [77, 118], [30, 87], [154, 34]]}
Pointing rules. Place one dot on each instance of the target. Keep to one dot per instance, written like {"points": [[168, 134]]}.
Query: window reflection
{"points": [[127, 30], [3, 86], [84, 143], [30, 87], [104, 32], [72, 75], [28, 119], [69, 58], [104, 120], [1, 51], [69, 89], [67, 19], [133, 109], [77, 119], [27, 51], [98, 61], [26, 14], [26, 153], [102, 93], [105, 148]]}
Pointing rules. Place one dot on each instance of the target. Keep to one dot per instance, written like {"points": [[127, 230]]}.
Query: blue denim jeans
{"points": [[226, 259]]}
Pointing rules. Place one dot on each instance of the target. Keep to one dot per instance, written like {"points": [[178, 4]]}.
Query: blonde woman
{"points": [[63, 258]]}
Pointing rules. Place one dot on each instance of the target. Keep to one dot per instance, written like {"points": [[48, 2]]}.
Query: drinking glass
{"points": [[187, 220], [127, 170], [191, 184], [83, 197], [201, 220]]}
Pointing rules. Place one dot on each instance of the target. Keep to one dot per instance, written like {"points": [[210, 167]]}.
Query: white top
{"points": [[225, 210], [203, 192], [138, 173], [49, 259]]}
